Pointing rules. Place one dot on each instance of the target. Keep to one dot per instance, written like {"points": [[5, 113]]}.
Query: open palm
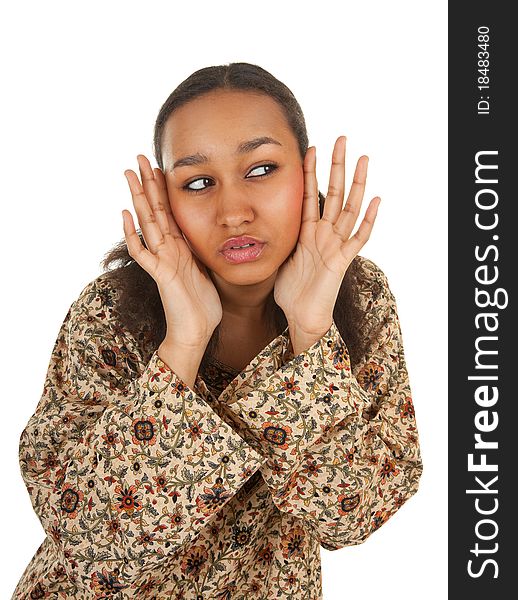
{"points": [[308, 283], [191, 303]]}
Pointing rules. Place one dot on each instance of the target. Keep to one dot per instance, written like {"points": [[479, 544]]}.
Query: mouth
{"points": [[238, 242], [245, 253]]}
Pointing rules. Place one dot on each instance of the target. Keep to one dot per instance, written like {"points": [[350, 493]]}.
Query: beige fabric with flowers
{"points": [[148, 489]]}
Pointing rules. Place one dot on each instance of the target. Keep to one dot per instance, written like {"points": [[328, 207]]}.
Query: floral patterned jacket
{"points": [[149, 489]]}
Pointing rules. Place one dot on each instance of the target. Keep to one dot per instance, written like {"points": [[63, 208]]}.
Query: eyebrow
{"points": [[243, 148]]}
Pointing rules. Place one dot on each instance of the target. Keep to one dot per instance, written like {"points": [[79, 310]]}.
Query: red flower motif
{"points": [[70, 500], [370, 377], [66, 419], [407, 409], [55, 532], [146, 539], [276, 467], [380, 517], [399, 500], [127, 500], [194, 561], [50, 461], [349, 455], [246, 473], [311, 467], [111, 438], [113, 526], [212, 499], [290, 386], [290, 579], [161, 482], [265, 554], [178, 519], [276, 434], [144, 431], [388, 469], [149, 587], [195, 430], [293, 544], [105, 584]]}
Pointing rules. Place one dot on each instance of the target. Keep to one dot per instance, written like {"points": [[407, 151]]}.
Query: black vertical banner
{"points": [[483, 342]]}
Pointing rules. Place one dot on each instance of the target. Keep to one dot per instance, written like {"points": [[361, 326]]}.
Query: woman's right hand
{"points": [[191, 302]]}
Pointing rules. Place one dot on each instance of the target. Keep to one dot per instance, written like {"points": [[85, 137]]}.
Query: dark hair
{"points": [[139, 307]]}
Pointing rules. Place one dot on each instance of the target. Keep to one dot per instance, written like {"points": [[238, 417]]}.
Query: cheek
{"points": [[191, 228], [293, 204], [180, 211], [297, 196], [179, 217]]}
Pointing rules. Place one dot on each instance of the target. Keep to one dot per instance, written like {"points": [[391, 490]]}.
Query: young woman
{"points": [[234, 394]]}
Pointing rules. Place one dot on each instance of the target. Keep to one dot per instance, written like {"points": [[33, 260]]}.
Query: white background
{"points": [[82, 84]]}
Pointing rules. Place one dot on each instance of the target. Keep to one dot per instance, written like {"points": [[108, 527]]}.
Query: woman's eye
{"points": [[271, 169], [197, 188], [200, 184]]}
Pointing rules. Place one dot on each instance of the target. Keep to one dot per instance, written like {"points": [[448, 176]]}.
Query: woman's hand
{"points": [[308, 283], [191, 302]]}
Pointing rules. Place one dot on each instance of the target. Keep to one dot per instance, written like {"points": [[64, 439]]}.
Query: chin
{"points": [[247, 278], [245, 274]]}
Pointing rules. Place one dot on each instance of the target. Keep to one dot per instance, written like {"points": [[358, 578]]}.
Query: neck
{"points": [[244, 303], [243, 306]]}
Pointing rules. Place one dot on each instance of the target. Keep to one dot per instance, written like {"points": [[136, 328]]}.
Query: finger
{"points": [[162, 186], [336, 187], [160, 180], [349, 215], [310, 210], [362, 235], [155, 189], [151, 231], [146, 259]]}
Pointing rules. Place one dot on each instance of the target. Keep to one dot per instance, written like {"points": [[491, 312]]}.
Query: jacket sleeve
{"points": [[341, 448], [123, 462]]}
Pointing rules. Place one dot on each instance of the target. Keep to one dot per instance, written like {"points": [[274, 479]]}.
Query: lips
{"points": [[240, 241]]}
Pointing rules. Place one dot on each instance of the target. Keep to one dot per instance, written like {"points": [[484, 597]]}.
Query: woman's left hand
{"points": [[308, 283]]}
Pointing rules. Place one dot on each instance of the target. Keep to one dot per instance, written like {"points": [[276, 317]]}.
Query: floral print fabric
{"points": [[149, 489]]}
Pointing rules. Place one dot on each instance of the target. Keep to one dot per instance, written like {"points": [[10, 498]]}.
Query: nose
{"points": [[234, 207]]}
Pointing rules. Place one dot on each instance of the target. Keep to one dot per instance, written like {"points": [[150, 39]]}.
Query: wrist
{"points": [[184, 361], [194, 348], [301, 339]]}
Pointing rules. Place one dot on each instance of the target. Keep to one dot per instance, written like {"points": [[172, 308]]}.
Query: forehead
{"points": [[223, 116]]}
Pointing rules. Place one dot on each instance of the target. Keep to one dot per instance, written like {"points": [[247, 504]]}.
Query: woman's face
{"points": [[218, 193]]}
